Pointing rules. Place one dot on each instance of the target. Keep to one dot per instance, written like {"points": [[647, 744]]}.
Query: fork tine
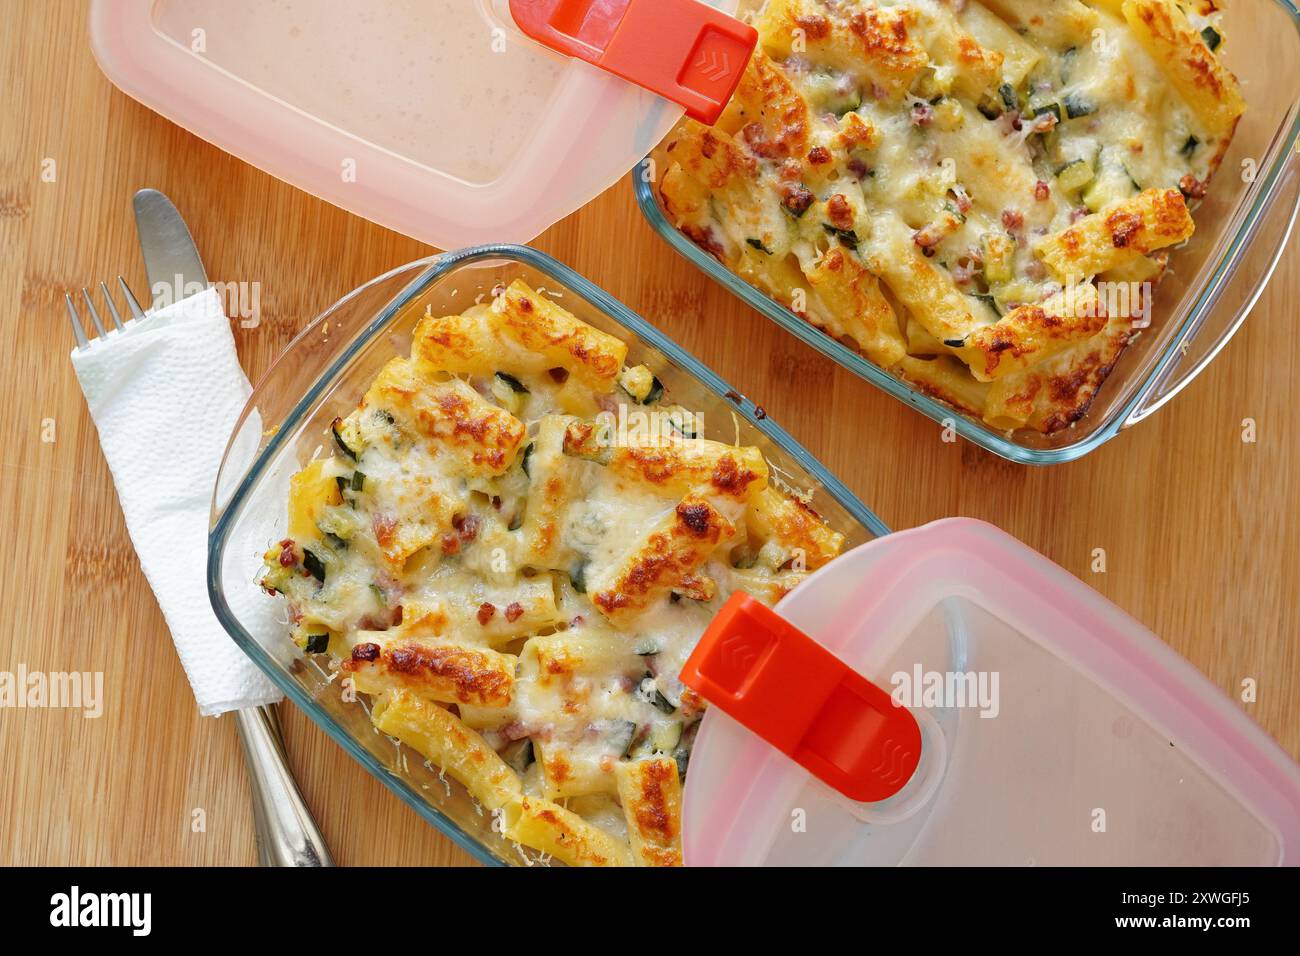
{"points": [[94, 314], [112, 309], [136, 311], [77, 330]]}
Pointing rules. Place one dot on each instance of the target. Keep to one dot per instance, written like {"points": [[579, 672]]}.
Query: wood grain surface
{"points": [[1201, 530]]}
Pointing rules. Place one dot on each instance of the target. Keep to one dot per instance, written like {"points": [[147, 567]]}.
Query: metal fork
{"points": [[286, 833], [79, 330]]}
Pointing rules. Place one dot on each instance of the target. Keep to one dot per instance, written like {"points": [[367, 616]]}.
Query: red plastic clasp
{"points": [[680, 49], [803, 700]]}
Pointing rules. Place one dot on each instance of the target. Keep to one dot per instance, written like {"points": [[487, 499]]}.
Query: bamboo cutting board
{"points": [[1201, 530]]}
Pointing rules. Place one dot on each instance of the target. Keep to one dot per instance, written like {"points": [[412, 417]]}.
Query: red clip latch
{"points": [[681, 49], [803, 700]]}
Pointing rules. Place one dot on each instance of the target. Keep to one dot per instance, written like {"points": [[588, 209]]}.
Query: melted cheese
{"points": [[484, 546], [939, 145]]}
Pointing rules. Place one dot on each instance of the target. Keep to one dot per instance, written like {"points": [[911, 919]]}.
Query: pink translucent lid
{"points": [[437, 118], [1055, 728]]}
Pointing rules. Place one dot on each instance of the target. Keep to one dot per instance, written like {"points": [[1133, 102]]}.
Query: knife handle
{"points": [[286, 833]]}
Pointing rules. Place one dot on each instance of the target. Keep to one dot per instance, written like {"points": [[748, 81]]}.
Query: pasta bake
{"points": [[979, 195], [511, 551]]}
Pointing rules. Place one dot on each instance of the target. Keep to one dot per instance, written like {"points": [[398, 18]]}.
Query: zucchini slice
{"points": [[1041, 107], [1111, 184], [578, 577], [621, 737], [519, 755], [664, 737], [999, 252], [1074, 176], [682, 755], [649, 690], [509, 391], [1076, 106], [988, 300], [337, 428], [1010, 99], [505, 378], [642, 385], [315, 567]]}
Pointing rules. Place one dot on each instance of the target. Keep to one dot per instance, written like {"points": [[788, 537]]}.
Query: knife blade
{"points": [[171, 260]]}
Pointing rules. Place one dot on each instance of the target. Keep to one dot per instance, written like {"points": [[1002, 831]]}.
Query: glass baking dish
{"points": [[324, 373], [1242, 227]]}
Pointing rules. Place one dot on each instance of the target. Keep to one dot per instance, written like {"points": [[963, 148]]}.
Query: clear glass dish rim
{"points": [[438, 267], [979, 434]]}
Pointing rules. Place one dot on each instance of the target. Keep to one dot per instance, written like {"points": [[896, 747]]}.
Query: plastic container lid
{"points": [[1054, 728], [441, 119]]}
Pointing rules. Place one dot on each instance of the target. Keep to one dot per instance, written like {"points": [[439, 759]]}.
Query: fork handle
{"points": [[286, 833]]}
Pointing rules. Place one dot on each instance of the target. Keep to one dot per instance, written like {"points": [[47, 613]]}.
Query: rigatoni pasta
{"points": [[513, 566], [931, 182]]}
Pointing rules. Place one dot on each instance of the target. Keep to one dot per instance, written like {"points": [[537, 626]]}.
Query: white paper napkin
{"points": [[165, 394]]}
